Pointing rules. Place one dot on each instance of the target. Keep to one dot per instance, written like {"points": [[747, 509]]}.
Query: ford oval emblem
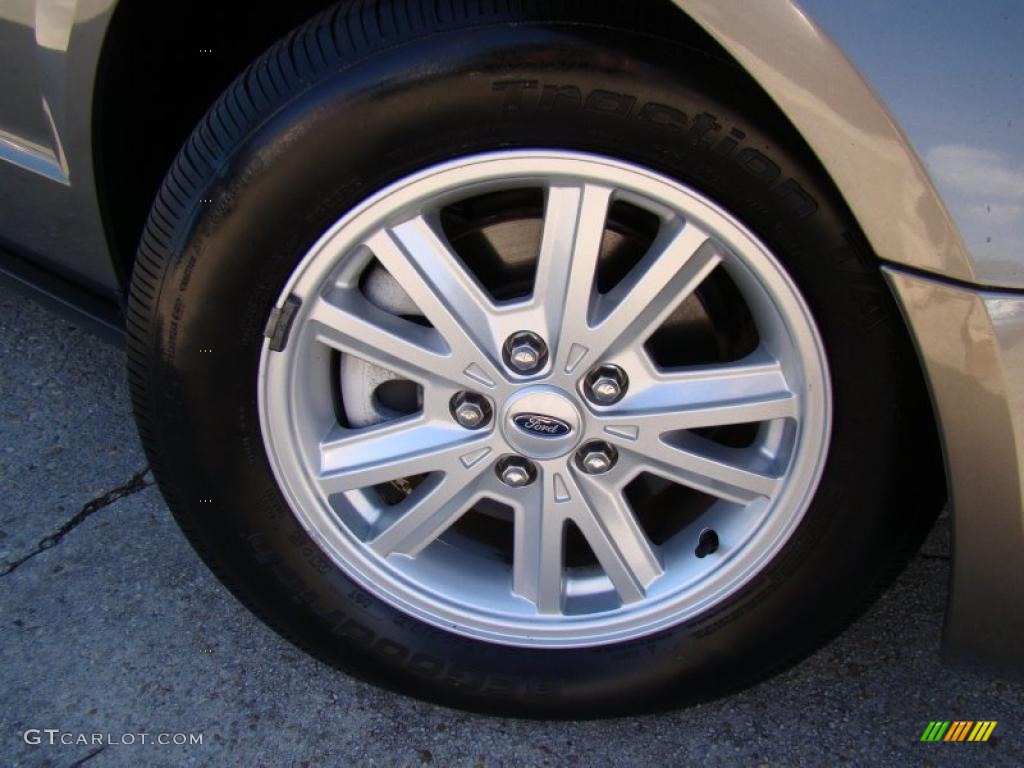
{"points": [[542, 426]]}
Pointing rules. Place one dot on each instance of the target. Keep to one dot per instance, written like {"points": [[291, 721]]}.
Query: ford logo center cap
{"points": [[542, 426]]}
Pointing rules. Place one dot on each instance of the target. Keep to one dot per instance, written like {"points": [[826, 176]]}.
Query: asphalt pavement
{"points": [[110, 625]]}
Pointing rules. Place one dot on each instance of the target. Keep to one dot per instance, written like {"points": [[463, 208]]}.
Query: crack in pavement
{"points": [[137, 483], [87, 758]]}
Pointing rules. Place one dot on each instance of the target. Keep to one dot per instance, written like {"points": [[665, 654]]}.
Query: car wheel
{"points": [[511, 359]]}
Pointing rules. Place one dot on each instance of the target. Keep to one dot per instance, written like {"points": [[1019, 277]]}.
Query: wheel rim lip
{"points": [[396, 588]]}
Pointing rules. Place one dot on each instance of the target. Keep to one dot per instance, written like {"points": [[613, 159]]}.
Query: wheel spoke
{"points": [[574, 221], [610, 527], [348, 323], [537, 549], [361, 458], [708, 396], [427, 513], [673, 268], [704, 466], [444, 290]]}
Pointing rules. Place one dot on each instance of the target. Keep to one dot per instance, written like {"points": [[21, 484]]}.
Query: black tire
{"points": [[366, 94]]}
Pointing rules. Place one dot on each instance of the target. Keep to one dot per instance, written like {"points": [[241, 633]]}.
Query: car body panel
{"points": [[857, 140], [967, 124], [49, 210], [971, 344], [968, 334], [846, 123]]}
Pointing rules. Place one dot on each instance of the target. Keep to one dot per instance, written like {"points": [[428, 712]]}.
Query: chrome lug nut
{"points": [[472, 411], [516, 471], [606, 384], [606, 390], [525, 352], [597, 457]]}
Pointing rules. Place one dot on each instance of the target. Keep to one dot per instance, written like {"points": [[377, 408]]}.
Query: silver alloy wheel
{"points": [[408, 552]]}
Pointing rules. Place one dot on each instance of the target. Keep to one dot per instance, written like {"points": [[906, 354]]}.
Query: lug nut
{"points": [[471, 410], [525, 352], [597, 457], [516, 471], [606, 384]]}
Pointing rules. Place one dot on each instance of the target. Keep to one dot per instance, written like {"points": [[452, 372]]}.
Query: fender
{"points": [[852, 132]]}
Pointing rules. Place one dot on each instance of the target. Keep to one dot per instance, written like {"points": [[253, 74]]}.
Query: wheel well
{"points": [[163, 64]]}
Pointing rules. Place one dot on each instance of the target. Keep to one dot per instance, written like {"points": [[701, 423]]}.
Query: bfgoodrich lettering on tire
{"points": [[548, 378]]}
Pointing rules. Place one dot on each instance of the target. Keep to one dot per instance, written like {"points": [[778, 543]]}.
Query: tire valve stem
{"points": [[707, 543]]}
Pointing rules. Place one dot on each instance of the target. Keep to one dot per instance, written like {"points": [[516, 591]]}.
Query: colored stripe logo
{"points": [[958, 730]]}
